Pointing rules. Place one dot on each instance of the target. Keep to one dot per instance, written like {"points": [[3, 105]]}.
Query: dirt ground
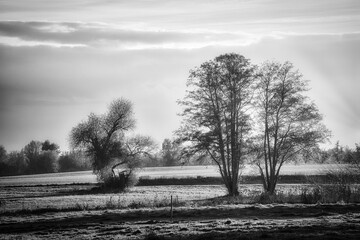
{"points": [[280, 221]]}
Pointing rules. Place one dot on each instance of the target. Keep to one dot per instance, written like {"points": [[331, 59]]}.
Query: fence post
{"points": [[171, 207]]}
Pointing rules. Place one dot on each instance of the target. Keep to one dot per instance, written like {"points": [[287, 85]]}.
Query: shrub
{"points": [[266, 198], [117, 181], [81, 207], [335, 186]]}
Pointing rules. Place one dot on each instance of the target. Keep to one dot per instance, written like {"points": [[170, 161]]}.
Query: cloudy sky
{"points": [[61, 60]]}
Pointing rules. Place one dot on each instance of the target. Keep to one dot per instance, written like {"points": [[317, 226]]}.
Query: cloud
{"points": [[17, 33], [128, 37], [258, 16]]}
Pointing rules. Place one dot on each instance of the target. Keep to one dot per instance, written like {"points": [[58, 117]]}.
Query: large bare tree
{"points": [[216, 114], [289, 122]]}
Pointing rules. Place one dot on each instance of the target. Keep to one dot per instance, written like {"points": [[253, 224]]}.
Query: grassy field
{"points": [[156, 172], [199, 212], [69, 206]]}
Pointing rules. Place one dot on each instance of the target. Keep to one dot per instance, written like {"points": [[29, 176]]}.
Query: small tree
{"points": [[32, 152], [289, 122], [102, 135], [216, 120], [170, 153], [337, 153], [103, 138]]}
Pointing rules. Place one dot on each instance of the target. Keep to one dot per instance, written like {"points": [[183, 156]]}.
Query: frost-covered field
{"points": [[66, 206], [78, 197], [199, 212], [156, 172]]}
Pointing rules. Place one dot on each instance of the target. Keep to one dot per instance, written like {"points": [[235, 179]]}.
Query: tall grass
{"points": [[341, 185]]}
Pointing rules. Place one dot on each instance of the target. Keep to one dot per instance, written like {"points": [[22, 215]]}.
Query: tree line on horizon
{"points": [[45, 157], [51, 160]]}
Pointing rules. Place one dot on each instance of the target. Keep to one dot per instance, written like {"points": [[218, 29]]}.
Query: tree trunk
{"points": [[272, 185], [233, 190], [268, 181], [230, 184]]}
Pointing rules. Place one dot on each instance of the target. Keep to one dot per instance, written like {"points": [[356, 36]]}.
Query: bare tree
{"points": [[102, 135], [114, 156], [289, 122], [134, 149], [216, 114]]}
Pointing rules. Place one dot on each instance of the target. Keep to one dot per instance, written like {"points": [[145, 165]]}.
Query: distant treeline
{"points": [[41, 157], [45, 157], [337, 154]]}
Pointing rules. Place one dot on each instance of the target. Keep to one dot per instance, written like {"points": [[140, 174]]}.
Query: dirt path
{"points": [[221, 222]]}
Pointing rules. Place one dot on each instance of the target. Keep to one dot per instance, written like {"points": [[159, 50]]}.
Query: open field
{"points": [[200, 212], [46, 208], [157, 172]]}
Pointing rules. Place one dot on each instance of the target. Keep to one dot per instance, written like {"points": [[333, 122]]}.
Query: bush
{"points": [[266, 198], [117, 181], [120, 182]]}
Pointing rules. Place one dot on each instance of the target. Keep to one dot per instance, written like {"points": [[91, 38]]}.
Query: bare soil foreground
{"points": [[32, 210], [296, 221]]}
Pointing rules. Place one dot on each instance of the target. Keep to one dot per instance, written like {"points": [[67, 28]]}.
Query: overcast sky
{"points": [[61, 60]]}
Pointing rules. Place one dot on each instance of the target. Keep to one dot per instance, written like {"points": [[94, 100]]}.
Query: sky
{"points": [[62, 60]]}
